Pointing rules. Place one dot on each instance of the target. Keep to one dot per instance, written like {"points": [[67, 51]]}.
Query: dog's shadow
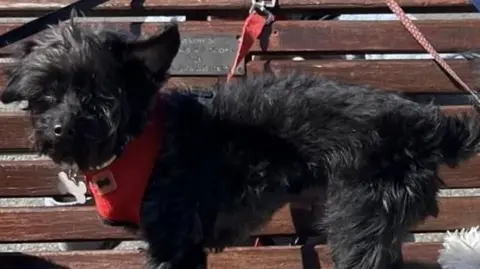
{"points": [[421, 265], [310, 260], [17, 260]]}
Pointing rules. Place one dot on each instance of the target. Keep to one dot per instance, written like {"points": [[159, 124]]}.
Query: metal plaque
{"points": [[206, 55]]}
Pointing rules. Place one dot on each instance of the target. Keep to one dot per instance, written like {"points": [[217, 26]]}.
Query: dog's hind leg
{"points": [[370, 210], [362, 233]]}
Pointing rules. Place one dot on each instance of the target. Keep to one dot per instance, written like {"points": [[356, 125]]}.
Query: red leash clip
{"points": [[252, 28], [262, 7]]}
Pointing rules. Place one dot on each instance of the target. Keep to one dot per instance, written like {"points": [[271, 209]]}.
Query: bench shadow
{"points": [[16, 260], [310, 259], [136, 27], [305, 213], [304, 218]]}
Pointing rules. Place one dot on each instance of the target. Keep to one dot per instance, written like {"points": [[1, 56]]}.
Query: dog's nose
{"points": [[57, 130]]}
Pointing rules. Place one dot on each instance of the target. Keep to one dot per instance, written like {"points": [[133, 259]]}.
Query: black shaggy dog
{"points": [[231, 159]]}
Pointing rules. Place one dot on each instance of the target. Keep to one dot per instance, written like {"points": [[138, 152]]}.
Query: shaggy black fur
{"points": [[230, 161]]}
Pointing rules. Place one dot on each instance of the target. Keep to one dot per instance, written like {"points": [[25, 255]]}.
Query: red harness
{"points": [[118, 189]]}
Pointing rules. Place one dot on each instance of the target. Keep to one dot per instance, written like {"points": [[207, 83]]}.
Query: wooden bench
{"points": [[221, 21]]}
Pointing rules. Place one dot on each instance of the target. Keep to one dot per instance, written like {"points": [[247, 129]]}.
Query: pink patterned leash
{"points": [[408, 23]]}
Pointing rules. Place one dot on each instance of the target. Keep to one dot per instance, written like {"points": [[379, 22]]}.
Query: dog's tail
{"points": [[460, 136], [462, 132], [426, 133]]}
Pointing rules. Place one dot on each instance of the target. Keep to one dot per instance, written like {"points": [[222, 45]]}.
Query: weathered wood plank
{"points": [[38, 178], [44, 224], [173, 82], [28, 178], [208, 5], [335, 36], [341, 4], [412, 76], [464, 176], [233, 258], [128, 5], [15, 130], [450, 217], [455, 110]]}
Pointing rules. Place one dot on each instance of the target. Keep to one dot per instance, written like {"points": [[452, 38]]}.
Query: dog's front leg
{"points": [[171, 224], [174, 240], [190, 257]]}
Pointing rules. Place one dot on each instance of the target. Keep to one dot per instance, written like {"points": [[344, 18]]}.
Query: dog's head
{"points": [[88, 88]]}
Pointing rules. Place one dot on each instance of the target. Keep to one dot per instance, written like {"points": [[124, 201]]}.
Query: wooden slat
{"points": [[338, 36], [412, 76], [466, 175], [173, 82], [342, 4], [28, 178], [46, 224], [184, 82], [101, 259], [232, 258], [450, 217], [38, 178], [15, 128], [453, 110], [127, 5], [207, 5]]}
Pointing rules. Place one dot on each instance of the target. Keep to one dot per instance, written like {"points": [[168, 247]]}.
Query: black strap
{"points": [[41, 23]]}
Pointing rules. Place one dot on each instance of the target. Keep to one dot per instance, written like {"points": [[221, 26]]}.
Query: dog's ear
{"points": [[17, 86], [12, 92], [25, 48], [157, 52]]}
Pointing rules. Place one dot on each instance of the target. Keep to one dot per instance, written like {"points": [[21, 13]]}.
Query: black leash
{"points": [[41, 23]]}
